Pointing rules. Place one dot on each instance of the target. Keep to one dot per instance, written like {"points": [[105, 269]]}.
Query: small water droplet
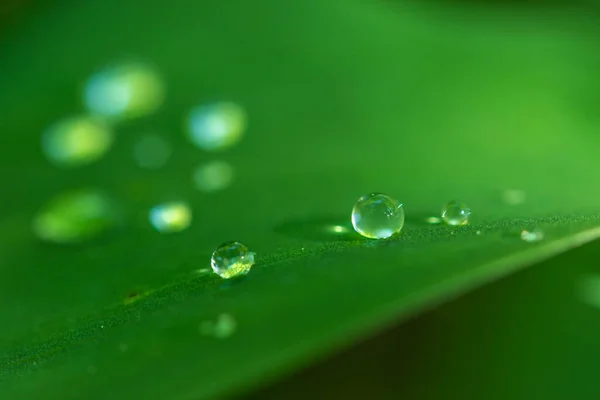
{"points": [[456, 214], [171, 217], [532, 235], [151, 152], [513, 197], [377, 216], [213, 176], [216, 126], [223, 327], [478, 232], [124, 91], [232, 259], [75, 216], [76, 141]]}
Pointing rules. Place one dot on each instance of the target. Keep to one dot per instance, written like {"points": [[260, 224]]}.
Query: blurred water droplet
{"points": [[216, 126], [532, 235], [513, 197], [75, 216], [76, 141], [478, 232], [223, 327], [433, 220], [171, 217], [152, 152], [124, 91], [213, 176]]}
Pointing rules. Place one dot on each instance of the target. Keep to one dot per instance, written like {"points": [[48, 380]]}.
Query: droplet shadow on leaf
{"points": [[423, 219], [337, 228]]}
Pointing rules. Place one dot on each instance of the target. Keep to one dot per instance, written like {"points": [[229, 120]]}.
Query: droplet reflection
{"points": [[223, 327], [76, 141], [213, 176], [124, 91], [216, 126]]}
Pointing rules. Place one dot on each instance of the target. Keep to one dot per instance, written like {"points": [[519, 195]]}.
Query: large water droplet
{"points": [[152, 152], [232, 259], [216, 126], [75, 216], [213, 176], [124, 91], [377, 216], [76, 141], [171, 217]]}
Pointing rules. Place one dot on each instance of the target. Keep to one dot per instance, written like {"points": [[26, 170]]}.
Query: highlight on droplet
{"points": [[75, 216], [216, 126], [76, 141], [152, 151], [124, 91], [171, 217], [213, 176]]}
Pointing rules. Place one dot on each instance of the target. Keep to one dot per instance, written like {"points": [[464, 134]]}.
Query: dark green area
{"points": [[421, 102]]}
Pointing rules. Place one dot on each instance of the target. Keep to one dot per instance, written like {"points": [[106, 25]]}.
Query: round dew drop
{"points": [[232, 259], [456, 214], [377, 216]]}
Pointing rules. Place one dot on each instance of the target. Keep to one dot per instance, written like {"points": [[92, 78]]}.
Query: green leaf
{"points": [[342, 100]]}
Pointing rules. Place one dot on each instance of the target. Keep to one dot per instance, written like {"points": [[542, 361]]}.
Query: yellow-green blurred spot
{"points": [[74, 217], [433, 220], [152, 152], [232, 259], [124, 91], [216, 126], [222, 327], [456, 214], [532, 235], [171, 217], [76, 141], [213, 176]]}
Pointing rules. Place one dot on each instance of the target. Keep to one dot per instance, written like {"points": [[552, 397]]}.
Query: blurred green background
{"points": [[426, 101]]}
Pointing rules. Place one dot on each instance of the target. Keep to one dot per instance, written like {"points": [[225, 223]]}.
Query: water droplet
{"points": [[513, 197], [213, 176], [76, 141], [75, 216], [171, 217], [478, 232], [124, 91], [232, 259], [223, 327], [377, 216], [216, 126], [152, 152], [532, 235], [456, 214]]}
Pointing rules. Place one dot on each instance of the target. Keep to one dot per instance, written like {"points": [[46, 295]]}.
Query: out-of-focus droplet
{"points": [[223, 327], [124, 91], [433, 220], [213, 176], [75, 216], [171, 217], [532, 235], [513, 197], [152, 152], [216, 126], [76, 141]]}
